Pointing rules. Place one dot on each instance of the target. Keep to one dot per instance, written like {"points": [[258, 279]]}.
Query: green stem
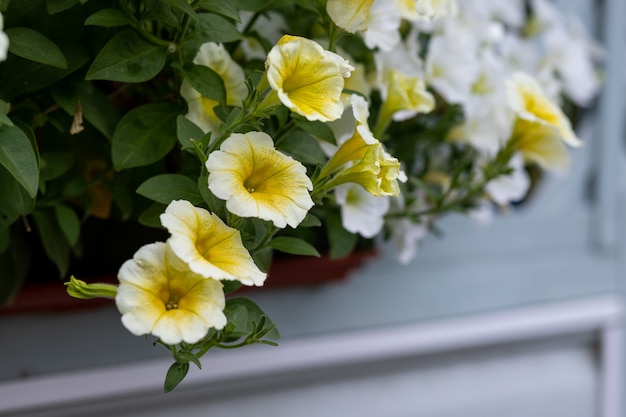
{"points": [[332, 36], [247, 115], [251, 22], [205, 348], [139, 27], [235, 346], [183, 29]]}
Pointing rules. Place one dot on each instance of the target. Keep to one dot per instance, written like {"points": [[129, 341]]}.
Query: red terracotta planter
{"points": [[284, 272]]}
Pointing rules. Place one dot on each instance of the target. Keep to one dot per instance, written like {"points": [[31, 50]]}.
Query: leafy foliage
{"points": [[94, 124]]}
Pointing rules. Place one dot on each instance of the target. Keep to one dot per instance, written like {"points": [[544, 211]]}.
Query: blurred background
{"points": [[520, 317]]}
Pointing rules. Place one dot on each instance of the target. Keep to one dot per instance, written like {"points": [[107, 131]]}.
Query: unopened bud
{"points": [[80, 289]]}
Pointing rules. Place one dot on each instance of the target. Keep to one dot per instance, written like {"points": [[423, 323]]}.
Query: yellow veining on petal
{"points": [[256, 180], [175, 304], [530, 102], [308, 79], [207, 245]]}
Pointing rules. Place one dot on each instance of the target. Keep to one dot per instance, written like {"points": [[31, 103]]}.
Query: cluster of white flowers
{"points": [[479, 55], [4, 40]]}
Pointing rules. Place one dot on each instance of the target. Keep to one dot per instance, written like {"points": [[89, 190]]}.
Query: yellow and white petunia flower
{"points": [[307, 78], [201, 111], [350, 15], [540, 143], [361, 113], [159, 295], [527, 99], [256, 180], [364, 163], [210, 248], [404, 96]]}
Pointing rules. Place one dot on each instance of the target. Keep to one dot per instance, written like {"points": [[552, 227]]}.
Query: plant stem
{"points": [[332, 36]]}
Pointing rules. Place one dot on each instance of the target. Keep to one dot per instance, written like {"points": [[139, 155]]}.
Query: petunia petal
{"points": [[256, 180]]}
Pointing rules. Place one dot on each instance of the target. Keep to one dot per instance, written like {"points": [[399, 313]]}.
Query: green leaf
{"points": [[69, 223], [341, 241], [215, 205], [150, 217], [310, 221], [188, 356], [58, 250], [34, 46], [96, 107], [15, 201], [144, 135], [14, 265], [263, 258], [231, 286], [75, 186], [318, 129], [165, 188], [252, 5], [183, 6], [237, 325], [221, 7], [293, 245], [28, 76], [122, 198], [175, 375], [186, 131], [18, 157], [57, 6], [254, 315], [107, 18], [206, 81], [214, 28], [163, 14], [303, 147], [4, 110], [5, 239], [128, 57]]}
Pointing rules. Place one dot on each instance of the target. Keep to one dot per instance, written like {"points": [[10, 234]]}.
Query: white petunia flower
{"points": [[361, 212], [571, 54], [510, 188], [452, 67], [406, 236], [4, 41], [429, 9], [383, 26]]}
